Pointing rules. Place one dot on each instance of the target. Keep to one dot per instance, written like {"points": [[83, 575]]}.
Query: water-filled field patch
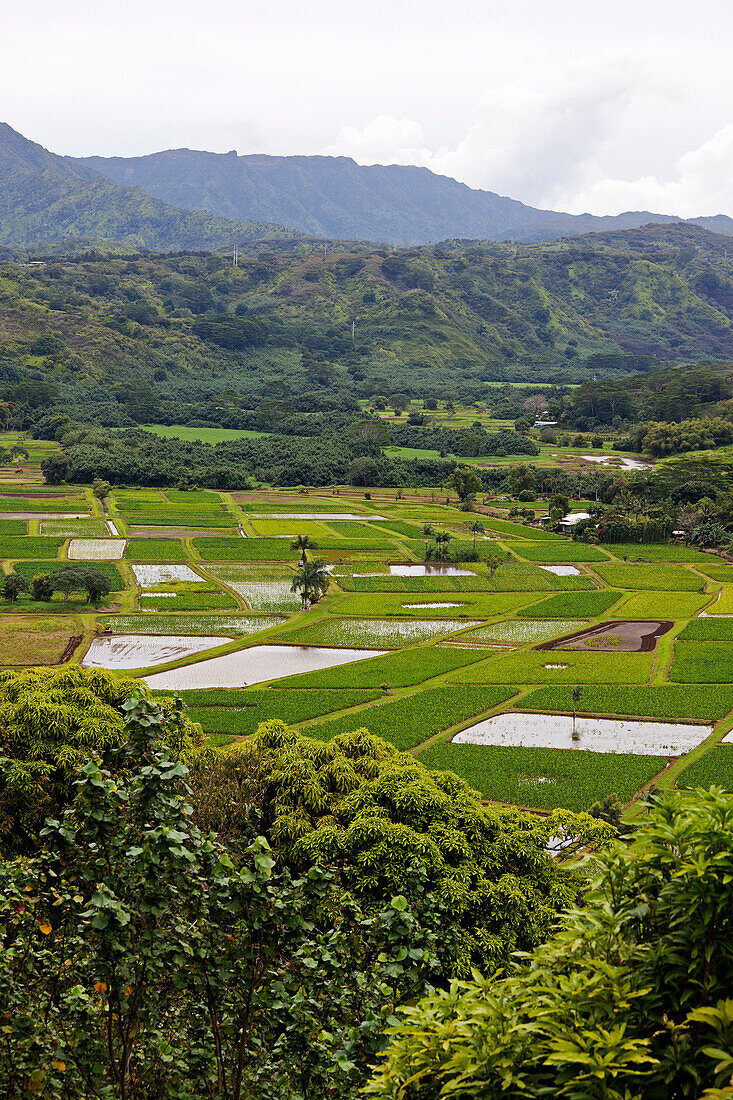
{"points": [[399, 669], [376, 633], [148, 576], [430, 570], [95, 549], [124, 651], [70, 528], [264, 588], [191, 624], [524, 631], [562, 570], [612, 735], [253, 666]]}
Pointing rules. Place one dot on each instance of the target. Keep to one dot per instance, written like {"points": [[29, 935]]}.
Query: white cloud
{"points": [[383, 140]]}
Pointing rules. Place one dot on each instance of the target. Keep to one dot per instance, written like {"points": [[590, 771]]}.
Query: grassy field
{"points": [[36, 641], [562, 666], [200, 435]]}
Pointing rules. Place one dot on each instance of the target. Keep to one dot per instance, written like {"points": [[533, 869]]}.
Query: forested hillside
{"points": [[133, 338]]}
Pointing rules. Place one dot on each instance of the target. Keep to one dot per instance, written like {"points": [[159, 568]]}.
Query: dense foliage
{"points": [[394, 826], [628, 1001]]}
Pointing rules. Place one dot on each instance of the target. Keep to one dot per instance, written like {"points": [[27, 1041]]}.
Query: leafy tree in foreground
{"points": [[152, 966], [629, 1001], [51, 721], [390, 823]]}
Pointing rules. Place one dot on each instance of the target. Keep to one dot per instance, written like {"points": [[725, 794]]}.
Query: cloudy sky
{"points": [[577, 105]]}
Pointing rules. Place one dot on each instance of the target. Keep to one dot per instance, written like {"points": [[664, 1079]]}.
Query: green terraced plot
{"points": [[243, 711], [655, 551], [662, 577], [724, 604], [520, 531], [410, 720], [572, 605], [289, 528], [524, 631], [470, 605], [566, 551], [264, 587], [154, 550], [401, 669], [29, 546], [714, 769], [216, 549], [398, 526], [722, 572], [20, 527], [385, 582], [545, 778], [560, 666], [373, 633], [702, 662], [706, 703], [703, 630], [521, 576], [660, 605]]}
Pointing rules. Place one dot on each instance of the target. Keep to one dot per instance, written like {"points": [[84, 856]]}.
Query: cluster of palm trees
{"points": [[311, 579], [441, 539]]}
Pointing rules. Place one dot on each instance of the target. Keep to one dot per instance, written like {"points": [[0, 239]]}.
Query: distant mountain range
{"points": [[184, 199], [338, 198]]}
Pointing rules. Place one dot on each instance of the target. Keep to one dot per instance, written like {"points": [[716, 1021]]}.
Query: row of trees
{"points": [[66, 580]]}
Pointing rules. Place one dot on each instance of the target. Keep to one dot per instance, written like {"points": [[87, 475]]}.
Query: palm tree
{"points": [[303, 543], [443, 538], [477, 527], [577, 695], [428, 533], [311, 580]]}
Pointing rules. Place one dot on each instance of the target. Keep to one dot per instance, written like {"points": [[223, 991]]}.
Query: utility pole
{"points": [[353, 332], [235, 257]]}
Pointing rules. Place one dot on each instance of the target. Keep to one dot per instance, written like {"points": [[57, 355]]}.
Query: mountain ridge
{"points": [[45, 199], [404, 205]]}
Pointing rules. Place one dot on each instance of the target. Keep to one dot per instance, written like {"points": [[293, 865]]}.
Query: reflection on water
{"points": [[555, 731], [141, 650], [429, 570], [252, 666], [561, 570]]}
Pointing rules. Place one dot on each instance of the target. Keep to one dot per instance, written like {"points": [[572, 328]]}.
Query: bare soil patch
{"points": [[625, 636]]}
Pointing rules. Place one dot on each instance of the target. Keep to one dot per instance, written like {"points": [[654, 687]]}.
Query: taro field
{"points": [[564, 674]]}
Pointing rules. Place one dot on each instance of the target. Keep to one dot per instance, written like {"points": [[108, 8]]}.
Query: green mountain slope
{"points": [[45, 199], [432, 319]]}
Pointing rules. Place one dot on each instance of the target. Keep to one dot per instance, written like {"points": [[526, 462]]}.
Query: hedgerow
{"points": [[544, 778]]}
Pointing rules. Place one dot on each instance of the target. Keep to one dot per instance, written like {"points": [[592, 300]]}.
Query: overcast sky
{"points": [[574, 104]]}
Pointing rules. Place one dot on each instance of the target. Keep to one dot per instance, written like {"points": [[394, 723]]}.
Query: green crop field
{"points": [[572, 605], [566, 551], [714, 769], [562, 666], [242, 712], [30, 546], [669, 701], [545, 778], [154, 550], [222, 549], [18, 527], [412, 719], [662, 577], [473, 605], [660, 605], [652, 552], [396, 670], [704, 630]]}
